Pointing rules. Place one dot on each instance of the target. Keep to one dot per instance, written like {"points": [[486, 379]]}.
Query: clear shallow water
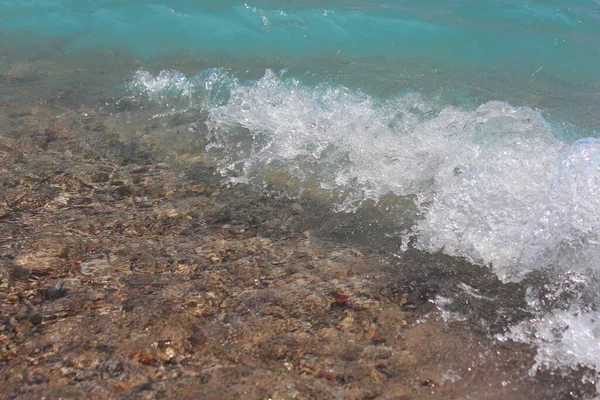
{"points": [[480, 118]]}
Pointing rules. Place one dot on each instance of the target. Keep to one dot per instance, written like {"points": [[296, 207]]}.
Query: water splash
{"points": [[496, 184]]}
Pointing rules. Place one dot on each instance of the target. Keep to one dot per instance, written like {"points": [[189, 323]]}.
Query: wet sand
{"points": [[129, 271]]}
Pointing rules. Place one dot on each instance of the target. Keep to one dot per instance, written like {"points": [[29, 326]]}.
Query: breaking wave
{"points": [[495, 184]]}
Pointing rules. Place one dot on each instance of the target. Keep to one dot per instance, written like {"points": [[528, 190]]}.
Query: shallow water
{"points": [[461, 129]]}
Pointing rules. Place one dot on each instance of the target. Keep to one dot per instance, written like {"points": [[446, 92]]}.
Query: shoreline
{"points": [[127, 276]]}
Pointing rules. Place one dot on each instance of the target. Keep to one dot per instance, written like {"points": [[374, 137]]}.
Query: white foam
{"points": [[523, 203], [566, 338], [159, 87]]}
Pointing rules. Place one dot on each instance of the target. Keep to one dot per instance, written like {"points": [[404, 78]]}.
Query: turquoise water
{"points": [[561, 37], [545, 51], [483, 116]]}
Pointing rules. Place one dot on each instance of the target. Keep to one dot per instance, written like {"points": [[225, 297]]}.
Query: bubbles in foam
{"points": [[348, 139], [525, 202], [174, 89], [567, 338], [158, 88]]}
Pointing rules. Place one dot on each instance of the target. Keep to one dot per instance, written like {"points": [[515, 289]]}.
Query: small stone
{"points": [[378, 338], [123, 191], [62, 200], [340, 300], [300, 282], [300, 254], [146, 387], [215, 258], [383, 369], [336, 254], [276, 260], [326, 375], [346, 322], [289, 270], [56, 291], [205, 377], [310, 266], [112, 368], [20, 272], [80, 201], [100, 177], [36, 319], [427, 383], [141, 169], [356, 253], [94, 266], [130, 304]]}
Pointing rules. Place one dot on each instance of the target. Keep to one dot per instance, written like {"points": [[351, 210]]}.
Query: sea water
{"points": [[481, 118]]}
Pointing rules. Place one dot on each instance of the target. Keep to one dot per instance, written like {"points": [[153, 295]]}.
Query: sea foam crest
{"points": [[495, 184]]}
